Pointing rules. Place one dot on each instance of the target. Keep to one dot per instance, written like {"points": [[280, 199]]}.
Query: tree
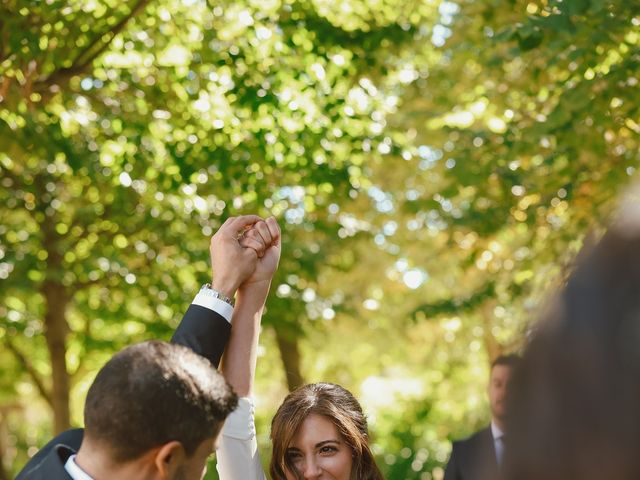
{"points": [[130, 130], [522, 156], [436, 167]]}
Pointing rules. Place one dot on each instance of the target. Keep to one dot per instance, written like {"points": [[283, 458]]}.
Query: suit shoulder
{"points": [[479, 436], [70, 439]]}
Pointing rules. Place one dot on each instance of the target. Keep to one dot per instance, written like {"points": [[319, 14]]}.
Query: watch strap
{"points": [[207, 290]]}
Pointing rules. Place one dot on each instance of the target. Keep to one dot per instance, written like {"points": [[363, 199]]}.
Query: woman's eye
{"points": [[328, 449], [293, 455]]}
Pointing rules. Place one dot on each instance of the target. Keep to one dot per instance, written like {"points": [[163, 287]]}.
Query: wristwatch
{"points": [[207, 290]]}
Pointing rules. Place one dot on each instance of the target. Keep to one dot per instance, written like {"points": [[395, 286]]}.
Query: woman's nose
{"points": [[311, 468]]}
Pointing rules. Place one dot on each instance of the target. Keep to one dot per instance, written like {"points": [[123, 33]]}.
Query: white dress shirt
{"points": [[74, 470]]}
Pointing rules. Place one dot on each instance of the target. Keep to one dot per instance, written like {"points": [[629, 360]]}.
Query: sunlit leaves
{"points": [[442, 158], [131, 129]]}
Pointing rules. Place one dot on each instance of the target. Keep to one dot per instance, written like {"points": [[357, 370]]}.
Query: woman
{"points": [[320, 428], [318, 432]]}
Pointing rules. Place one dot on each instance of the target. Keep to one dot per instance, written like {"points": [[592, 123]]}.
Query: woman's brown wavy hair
{"points": [[336, 404]]}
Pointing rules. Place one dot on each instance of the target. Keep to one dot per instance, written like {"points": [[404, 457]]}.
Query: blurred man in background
{"points": [[479, 457]]}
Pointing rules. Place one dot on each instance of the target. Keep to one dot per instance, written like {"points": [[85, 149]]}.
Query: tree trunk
{"points": [[56, 299], [5, 411], [56, 328], [3, 447], [290, 355]]}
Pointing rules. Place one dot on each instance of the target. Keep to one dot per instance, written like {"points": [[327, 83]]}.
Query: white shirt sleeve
{"points": [[237, 455], [215, 304]]}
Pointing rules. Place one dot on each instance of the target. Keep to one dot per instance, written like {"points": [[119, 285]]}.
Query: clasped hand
{"points": [[244, 251]]}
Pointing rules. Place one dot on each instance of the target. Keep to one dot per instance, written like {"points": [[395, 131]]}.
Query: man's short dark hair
{"points": [[511, 360], [152, 393]]}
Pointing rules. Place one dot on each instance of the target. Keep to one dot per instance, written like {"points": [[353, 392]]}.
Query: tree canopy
{"points": [[435, 166]]}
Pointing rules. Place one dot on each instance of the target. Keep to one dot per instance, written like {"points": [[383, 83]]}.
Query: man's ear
{"points": [[169, 458]]}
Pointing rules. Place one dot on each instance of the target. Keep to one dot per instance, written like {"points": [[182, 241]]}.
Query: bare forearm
{"points": [[239, 362]]}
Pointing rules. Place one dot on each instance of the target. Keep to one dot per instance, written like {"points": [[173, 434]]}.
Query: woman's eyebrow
{"points": [[318, 445], [325, 442]]}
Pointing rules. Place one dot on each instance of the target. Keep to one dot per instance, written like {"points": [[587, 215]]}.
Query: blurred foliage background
{"points": [[435, 165]]}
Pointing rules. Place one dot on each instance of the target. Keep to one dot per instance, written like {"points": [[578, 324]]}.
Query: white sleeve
{"points": [[215, 304], [237, 455]]}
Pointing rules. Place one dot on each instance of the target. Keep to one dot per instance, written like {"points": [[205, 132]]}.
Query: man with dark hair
{"points": [[479, 457], [155, 409], [154, 405]]}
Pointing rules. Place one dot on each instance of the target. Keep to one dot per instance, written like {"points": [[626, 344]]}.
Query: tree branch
{"points": [[81, 63], [35, 376]]}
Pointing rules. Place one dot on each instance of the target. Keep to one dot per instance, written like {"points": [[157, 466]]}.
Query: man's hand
{"points": [[232, 264], [265, 233]]}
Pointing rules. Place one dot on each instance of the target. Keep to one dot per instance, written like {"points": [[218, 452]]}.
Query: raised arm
{"points": [[237, 455], [206, 326], [239, 362]]}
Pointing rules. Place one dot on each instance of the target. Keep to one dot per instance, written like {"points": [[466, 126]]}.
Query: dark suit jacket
{"points": [[202, 330], [473, 458]]}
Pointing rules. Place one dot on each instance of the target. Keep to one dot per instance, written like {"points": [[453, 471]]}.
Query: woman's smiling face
{"points": [[319, 452]]}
